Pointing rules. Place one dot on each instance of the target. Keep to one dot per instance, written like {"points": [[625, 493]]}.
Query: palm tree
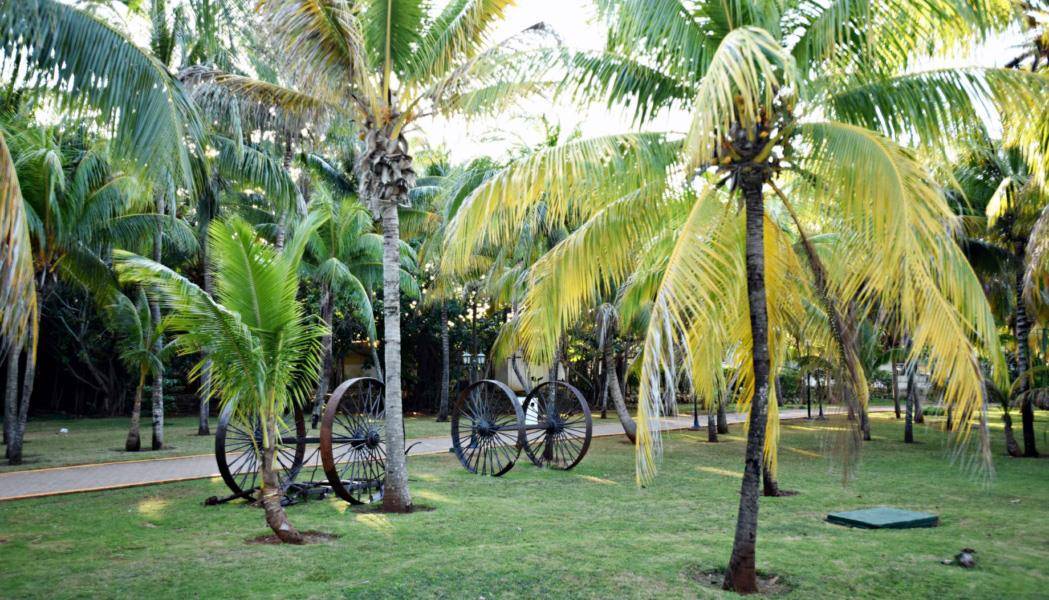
{"points": [[345, 258], [386, 64], [56, 51], [137, 335], [263, 350], [998, 183], [785, 100]]}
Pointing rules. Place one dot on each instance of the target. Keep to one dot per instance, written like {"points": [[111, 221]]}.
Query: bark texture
{"points": [[134, 435], [396, 497], [276, 518], [442, 407], [324, 380], [157, 398], [1023, 363], [741, 575]]}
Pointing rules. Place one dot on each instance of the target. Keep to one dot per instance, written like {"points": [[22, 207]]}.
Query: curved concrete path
{"points": [[87, 478]]}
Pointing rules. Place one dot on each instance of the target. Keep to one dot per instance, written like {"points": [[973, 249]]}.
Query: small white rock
{"points": [[63, 430]]}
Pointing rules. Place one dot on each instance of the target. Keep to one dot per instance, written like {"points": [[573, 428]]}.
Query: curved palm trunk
{"points": [[396, 497], [134, 437], [324, 380], [712, 425], [629, 426], [1023, 363], [523, 378], [442, 408], [741, 576], [276, 518]]}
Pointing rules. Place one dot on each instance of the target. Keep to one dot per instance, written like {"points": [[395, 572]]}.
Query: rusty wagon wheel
{"points": [[353, 440], [238, 444], [486, 428], [557, 425]]}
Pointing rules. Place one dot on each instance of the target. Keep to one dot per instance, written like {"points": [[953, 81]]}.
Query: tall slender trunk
{"points": [[396, 497], [134, 437], [157, 398], [276, 518], [919, 415], [908, 424], [14, 357], [14, 445], [629, 427], [205, 373], [1023, 363], [712, 423], [442, 407], [722, 414], [522, 377], [324, 380], [741, 575], [896, 388]]}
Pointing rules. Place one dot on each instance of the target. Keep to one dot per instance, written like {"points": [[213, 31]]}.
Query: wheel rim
{"points": [[237, 441], [353, 440], [568, 428], [486, 434]]}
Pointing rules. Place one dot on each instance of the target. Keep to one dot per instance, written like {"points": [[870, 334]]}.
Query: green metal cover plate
{"points": [[883, 518]]}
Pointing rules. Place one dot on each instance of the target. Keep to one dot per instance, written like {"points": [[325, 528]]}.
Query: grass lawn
{"points": [[587, 533], [102, 440]]}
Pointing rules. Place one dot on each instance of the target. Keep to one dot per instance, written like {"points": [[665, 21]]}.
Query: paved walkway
{"points": [[86, 478]]}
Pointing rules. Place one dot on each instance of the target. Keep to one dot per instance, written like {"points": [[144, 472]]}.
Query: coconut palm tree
{"points": [[345, 259], [998, 183], [263, 349], [387, 64], [137, 335], [791, 114]]}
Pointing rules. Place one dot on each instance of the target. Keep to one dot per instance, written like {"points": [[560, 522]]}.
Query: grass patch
{"points": [[102, 440], [587, 533]]}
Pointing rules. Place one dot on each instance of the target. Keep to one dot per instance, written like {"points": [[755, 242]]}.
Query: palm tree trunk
{"points": [[908, 424], [1023, 363], [896, 388], [134, 438], [14, 445], [523, 378], [276, 518], [14, 357], [396, 497], [712, 424], [741, 576], [205, 373], [442, 407], [157, 398], [629, 427], [324, 380], [722, 415]]}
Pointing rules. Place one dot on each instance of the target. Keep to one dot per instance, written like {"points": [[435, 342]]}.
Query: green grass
{"points": [[102, 440], [587, 533]]}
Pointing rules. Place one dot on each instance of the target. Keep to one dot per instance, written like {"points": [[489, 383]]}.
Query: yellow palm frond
{"points": [[744, 77], [572, 180], [19, 318]]}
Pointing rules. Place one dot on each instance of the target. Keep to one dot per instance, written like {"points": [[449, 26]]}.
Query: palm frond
{"points": [[457, 34], [19, 318]]}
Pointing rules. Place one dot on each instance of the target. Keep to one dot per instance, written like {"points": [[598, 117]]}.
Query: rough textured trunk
{"points": [[896, 388], [134, 437], [276, 518], [741, 575], [919, 416], [769, 485], [522, 377], [442, 407], [722, 415], [14, 446], [712, 424], [629, 427], [1012, 448], [396, 497], [908, 424], [1023, 363], [324, 380], [376, 364], [205, 373], [157, 398], [14, 357]]}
